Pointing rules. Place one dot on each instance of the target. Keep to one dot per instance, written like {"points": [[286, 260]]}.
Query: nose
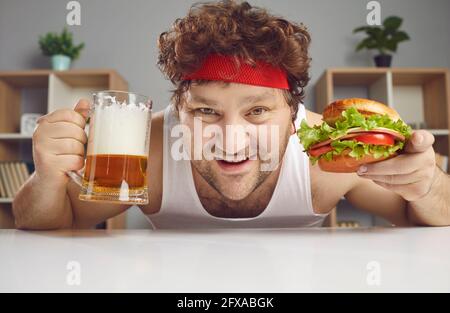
{"points": [[236, 138]]}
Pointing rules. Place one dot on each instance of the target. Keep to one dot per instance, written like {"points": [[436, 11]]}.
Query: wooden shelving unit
{"points": [[43, 91], [420, 95]]}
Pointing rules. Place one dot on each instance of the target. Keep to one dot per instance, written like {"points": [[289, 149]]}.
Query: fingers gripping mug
{"points": [[117, 151]]}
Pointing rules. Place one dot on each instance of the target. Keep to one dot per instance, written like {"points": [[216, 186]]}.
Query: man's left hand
{"points": [[410, 174]]}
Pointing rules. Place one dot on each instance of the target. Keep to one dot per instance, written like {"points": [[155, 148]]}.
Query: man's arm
{"points": [[49, 199], [369, 197], [434, 208], [414, 177], [44, 204]]}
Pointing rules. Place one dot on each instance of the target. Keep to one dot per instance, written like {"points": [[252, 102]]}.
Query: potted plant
{"points": [[384, 38], [60, 48]]}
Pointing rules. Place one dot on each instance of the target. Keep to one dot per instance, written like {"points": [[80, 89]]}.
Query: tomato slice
{"points": [[376, 139], [319, 151]]}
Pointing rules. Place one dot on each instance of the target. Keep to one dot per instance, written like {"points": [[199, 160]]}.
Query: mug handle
{"points": [[75, 175]]}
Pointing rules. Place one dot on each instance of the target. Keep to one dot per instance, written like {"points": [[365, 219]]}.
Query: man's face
{"points": [[245, 127]]}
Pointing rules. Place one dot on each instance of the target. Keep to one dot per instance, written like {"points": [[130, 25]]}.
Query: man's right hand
{"points": [[58, 142]]}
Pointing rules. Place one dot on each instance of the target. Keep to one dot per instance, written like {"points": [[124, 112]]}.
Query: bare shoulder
{"points": [[157, 125], [156, 137], [155, 165]]}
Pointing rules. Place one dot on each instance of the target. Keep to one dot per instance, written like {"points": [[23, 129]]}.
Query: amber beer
{"points": [[117, 151], [109, 171]]}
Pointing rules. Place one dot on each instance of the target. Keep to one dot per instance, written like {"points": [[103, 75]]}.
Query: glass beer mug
{"points": [[117, 151]]}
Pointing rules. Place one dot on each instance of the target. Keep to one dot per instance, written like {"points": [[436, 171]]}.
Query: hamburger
{"points": [[354, 132]]}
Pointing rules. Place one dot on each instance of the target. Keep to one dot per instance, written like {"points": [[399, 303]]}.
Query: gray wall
{"points": [[122, 35]]}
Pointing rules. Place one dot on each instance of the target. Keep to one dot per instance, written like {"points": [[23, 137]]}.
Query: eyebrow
{"points": [[256, 98], [248, 99], [203, 100]]}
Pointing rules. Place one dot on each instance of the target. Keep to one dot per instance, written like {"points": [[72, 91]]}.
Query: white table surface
{"points": [[289, 260]]}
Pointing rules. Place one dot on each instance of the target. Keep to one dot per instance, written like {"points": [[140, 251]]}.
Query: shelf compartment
{"points": [[10, 108], [421, 97], [68, 87]]}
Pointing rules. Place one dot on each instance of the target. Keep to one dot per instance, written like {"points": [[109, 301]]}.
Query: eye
{"points": [[257, 111], [206, 111]]}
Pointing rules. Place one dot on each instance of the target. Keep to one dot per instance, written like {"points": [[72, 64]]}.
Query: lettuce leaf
{"points": [[358, 150], [351, 118]]}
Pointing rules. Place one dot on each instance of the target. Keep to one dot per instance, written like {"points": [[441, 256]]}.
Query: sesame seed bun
{"points": [[366, 107]]}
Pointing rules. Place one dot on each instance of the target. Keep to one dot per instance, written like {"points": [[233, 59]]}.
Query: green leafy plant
{"points": [[383, 38], [54, 44]]}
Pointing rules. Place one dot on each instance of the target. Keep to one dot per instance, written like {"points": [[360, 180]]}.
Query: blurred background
{"points": [[121, 35]]}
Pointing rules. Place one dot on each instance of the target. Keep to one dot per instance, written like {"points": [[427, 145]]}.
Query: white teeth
{"points": [[232, 160]]}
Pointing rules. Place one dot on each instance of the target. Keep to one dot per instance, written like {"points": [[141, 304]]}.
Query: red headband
{"points": [[224, 68]]}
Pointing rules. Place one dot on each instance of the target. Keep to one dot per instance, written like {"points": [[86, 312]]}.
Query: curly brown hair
{"points": [[239, 29]]}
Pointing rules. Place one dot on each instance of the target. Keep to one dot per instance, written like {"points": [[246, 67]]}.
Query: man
{"points": [[232, 189]]}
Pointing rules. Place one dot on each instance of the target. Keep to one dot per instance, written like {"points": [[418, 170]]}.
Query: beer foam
{"points": [[119, 128]]}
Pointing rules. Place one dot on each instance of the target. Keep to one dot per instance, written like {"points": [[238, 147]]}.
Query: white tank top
{"points": [[290, 205]]}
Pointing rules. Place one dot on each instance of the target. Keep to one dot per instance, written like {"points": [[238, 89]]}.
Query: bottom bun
{"points": [[344, 163]]}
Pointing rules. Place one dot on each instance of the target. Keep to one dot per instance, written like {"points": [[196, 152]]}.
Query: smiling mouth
{"points": [[233, 165], [236, 162], [231, 158]]}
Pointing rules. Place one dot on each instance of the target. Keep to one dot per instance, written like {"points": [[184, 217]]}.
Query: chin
{"points": [[235, 194], [232, 186], [235, 188]]}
